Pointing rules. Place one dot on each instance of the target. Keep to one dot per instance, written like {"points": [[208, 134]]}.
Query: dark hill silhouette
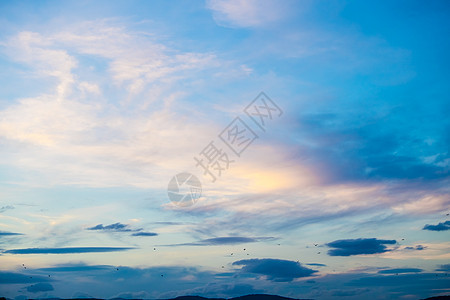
{"points": [[247, 297], [261, 297], [196, 298]]}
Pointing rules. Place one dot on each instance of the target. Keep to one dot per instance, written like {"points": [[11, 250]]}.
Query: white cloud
{"points": [[247, 13], [79, 131]]}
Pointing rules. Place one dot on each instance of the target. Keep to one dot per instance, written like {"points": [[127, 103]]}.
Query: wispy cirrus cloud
{"points": [[229, 240], [79, 128], [250, 13]]}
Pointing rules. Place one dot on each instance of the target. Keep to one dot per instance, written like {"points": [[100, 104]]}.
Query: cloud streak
{"points": [[229, 240], [400, 271], [67, 250], [5, 233], [113, 227]]}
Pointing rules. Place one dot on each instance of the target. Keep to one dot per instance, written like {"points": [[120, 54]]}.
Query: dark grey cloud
{"points": [[5, 233], [400, 271], [359, 246], [229, 240], [119, 227], [113, 227], [275, 269], [417, 247], [143, 233], [12, 277], [316, 265], [444, 268], [439, 227], [66, 250], [5, 208], [40, 287]]}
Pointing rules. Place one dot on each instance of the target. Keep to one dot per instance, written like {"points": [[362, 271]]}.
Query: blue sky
{"points": [[343, 194]]}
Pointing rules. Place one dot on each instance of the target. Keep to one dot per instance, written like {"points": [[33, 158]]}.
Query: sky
{"points": [[153, 149]]}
